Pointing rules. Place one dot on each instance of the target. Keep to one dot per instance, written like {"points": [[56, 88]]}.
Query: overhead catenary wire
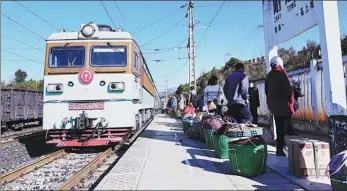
{"points": [[108, 14], [175, 12], [42, 19], [168, 59], [120, 11], [19, 31], [254, 33], [21, 42], [209, 25], [34, 48], [22, 56], [202, 6], [159, 51], [19, 61], [162, 34], [22, 26]]}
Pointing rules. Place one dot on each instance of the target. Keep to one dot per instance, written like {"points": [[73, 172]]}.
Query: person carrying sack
{"points": [[236, 92], [212, 96]]}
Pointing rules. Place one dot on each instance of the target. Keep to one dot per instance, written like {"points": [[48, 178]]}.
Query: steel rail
{"points": [[8, 177], [76, 179], [26, 135]]}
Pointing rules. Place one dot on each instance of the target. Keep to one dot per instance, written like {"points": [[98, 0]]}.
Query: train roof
{"points": [[99, 32], [102, 35]]}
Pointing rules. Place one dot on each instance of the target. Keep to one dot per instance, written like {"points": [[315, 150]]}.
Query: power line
{"points": [[162, 34], [21, 42], [36, 15], [159, 51], [22, 26], [201, 6], [108, 14], [209, 25], [34, 48], [122, 16], [169, 59], [252, 35], [175, 12], [181, 68], [19, 61], [20, 31], [21, 56]]}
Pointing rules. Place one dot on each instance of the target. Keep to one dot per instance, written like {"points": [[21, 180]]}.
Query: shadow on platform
{"points": [[273, 179]]}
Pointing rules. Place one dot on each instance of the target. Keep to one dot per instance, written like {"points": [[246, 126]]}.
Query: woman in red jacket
{"points": [[280, 100], [190, 110]]}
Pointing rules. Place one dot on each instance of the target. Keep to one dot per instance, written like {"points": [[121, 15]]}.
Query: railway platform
{"points": [[163, 159]]}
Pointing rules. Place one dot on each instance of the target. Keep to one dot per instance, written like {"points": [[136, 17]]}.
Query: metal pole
{"points": [[192, 79]]}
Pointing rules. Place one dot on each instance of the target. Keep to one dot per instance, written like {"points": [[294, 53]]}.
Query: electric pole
{"points": [[192, 79], [166, 87]]}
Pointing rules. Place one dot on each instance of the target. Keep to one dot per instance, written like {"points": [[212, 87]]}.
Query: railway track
{"points": [[7, 134], [13, 137], [62, 170]]}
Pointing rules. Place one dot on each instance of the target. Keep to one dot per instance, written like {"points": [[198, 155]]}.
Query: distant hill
{"points": [[169, 91]]}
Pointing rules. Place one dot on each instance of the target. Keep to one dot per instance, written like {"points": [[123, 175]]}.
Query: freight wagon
{"points": [[20, 106]]}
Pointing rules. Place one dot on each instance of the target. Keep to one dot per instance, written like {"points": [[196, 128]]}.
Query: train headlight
{"points": [[88, 30], [55, 88], [117, 86]]}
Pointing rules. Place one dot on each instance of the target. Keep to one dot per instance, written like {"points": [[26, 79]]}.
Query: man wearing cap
{"points": [[280, 100]]}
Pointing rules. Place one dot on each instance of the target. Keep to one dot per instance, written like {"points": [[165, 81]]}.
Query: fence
{"points": [[311, 115]]}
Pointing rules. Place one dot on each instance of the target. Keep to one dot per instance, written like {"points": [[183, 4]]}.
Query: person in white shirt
{"points": [[213, 93]]}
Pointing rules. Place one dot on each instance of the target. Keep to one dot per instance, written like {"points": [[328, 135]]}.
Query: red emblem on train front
{"points": [[86, 77]]}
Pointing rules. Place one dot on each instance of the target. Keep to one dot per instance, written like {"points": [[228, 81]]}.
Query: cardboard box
{"points": [[308, 158]]}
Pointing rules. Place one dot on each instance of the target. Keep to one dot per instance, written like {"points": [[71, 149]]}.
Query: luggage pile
{"points": [[246, 150], [242, 144]]}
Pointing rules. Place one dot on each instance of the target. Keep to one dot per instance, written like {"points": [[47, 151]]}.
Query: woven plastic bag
{"points": [[212, 122], [193, 132], [337, 171]]}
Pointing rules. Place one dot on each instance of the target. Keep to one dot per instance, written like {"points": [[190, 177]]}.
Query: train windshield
{"points": [[108, 56], [64, 57]]}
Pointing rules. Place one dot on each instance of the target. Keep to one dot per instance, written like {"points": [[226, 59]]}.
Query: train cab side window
{"points": [[66, 57], [140, 61], [108, 56], [135, 60]]}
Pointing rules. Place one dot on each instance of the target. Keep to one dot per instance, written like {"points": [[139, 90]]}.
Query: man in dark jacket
{"points": [[254, 101], [236, 92], [280, 100]]}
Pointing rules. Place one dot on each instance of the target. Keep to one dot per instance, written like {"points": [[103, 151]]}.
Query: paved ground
{"points": [[163, 159]]}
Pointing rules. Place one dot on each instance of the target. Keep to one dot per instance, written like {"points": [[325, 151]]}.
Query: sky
{"points": [[233, 32]]}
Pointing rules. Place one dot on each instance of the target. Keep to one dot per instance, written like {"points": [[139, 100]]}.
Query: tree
{"points": [[183, 88], [20, 76], [257, 70], [40, 85], [344, 45], [2, 84]]}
